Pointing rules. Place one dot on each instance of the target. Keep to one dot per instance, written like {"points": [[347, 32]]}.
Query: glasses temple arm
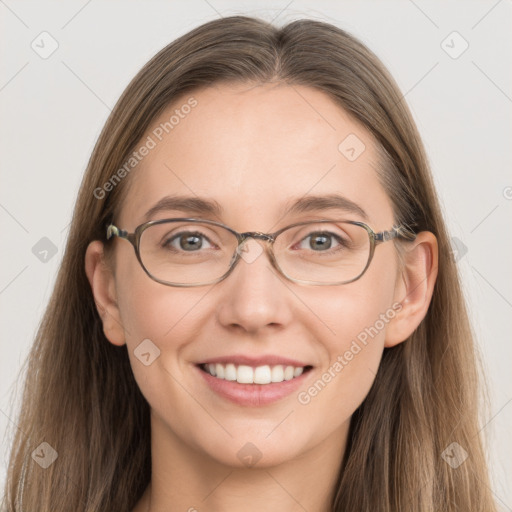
{"points": [[396, 232], [115, 231]]}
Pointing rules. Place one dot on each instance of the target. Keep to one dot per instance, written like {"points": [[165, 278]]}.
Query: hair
{"points": [[80, 395]]}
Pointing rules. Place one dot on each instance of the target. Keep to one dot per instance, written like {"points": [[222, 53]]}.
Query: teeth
{"points": [[262, 375], [288, 373], [244, 375], [277, 374], [248, 375], [230, 372], [218, 371]]}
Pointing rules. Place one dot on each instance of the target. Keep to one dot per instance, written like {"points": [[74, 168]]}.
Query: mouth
{"points": [[245, 374], [253, 386]]}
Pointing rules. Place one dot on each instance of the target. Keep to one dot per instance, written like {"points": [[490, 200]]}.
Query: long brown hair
{"points": [[80, 395]]}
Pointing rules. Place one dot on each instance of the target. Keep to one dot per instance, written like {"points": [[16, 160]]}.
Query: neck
{"points": [[184, 478]]}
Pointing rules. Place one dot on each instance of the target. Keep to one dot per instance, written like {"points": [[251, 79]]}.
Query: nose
{"points": [[254, 296]]}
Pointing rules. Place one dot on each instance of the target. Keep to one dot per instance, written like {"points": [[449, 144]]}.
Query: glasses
{"points": [[196, 252]]}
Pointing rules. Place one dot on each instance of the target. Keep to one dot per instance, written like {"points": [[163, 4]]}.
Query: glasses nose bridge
{"points": [[257, 235]]}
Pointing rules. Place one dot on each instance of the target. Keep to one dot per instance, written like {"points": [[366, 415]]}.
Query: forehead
{"points": [[253, 149]]}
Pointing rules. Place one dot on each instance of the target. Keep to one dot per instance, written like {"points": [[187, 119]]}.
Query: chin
{"points": [[255, 451]]}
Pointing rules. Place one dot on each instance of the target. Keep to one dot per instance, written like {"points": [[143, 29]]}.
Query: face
{"points": [[253, 149]]}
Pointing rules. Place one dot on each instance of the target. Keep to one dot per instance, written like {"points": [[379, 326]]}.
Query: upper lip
{"points": [[270, 360]]}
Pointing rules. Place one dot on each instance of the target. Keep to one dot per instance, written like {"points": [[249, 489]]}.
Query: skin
{"points": [[268, 143]]}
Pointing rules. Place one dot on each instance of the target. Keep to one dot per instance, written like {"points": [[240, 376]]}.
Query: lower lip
{"points": [[253, 395]]}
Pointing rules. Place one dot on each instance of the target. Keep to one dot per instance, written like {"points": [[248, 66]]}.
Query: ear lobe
{"points": [[102, 283], [414, 287]]}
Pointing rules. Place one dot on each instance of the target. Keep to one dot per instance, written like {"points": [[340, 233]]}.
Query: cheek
{"points": [[341, 385], [159, 324], [157, 319], [148, 309], [352, 331]]}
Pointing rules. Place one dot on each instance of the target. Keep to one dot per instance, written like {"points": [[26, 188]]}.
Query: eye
{"points": [[187, 241], [321, 241]]}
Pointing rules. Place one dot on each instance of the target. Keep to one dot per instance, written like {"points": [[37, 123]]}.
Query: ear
{"points": [[414, 287], [102, 283]]}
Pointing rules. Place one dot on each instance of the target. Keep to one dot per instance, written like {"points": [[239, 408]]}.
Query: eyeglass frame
{"points": [[375, 239]]}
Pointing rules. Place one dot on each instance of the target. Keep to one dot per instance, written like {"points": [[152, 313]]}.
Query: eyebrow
{"points": [[204, 206]]}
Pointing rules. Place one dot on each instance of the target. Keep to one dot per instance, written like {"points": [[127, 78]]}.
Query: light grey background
{"points": [[52, 111]]}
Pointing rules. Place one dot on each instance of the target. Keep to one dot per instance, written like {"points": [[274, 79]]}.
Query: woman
{"points": [[257, 308]]}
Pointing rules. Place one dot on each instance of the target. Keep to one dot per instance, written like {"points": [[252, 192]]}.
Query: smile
{"points": [[253, 386], [244, 374]]}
